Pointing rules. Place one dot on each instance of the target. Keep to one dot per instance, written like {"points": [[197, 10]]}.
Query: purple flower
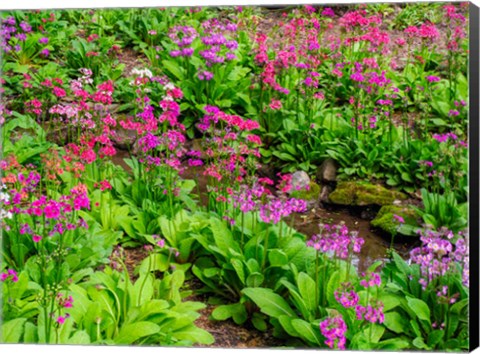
{"points": [[336, 240], [43, 40], [21, 37], [25, 27], [334, 329], [399, 219], [45, 52], [9, 274], [370, 280], [432, 78], [357, 77], [346, 296]]}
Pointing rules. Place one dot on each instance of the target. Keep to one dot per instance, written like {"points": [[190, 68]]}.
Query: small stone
{"points": [[327, 172], [300, 181], [324, 194]]}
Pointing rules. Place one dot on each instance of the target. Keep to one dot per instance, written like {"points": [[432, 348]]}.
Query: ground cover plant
{"points": [[183, 176]]}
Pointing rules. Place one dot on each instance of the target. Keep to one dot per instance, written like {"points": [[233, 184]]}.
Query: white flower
{"points": [[169, 86]]}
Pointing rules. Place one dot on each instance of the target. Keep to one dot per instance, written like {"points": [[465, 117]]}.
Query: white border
{"points": [[56, 4]]}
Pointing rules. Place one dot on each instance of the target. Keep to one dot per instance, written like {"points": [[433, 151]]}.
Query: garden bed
{"points": [[236, 177]]}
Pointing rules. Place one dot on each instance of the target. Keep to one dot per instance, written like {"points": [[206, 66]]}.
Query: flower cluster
{"points": [[439, 256], [336, 240], [370, 313], [9, 274], [57, 214], [66, 302], [346, 296], [183, 37], [13, 34], [277, 208], [334, 329]]}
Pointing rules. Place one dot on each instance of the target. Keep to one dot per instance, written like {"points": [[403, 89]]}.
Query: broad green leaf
{"points": [[435, 337], [223, 237], [306, 288], [132, 332], [306, 331], [394, 344], [277, 258], [195, 335], [174, 69], [255, 280], [236, 311], [420, 344], [395, 322], [269, 303], [420, 308], [286, 323], [12, 330]]}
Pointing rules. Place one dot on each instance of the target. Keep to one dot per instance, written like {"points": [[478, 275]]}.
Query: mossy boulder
{"points": [[313, 193], [364, 193], [386, 222]]}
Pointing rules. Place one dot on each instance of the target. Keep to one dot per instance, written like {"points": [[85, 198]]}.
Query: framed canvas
{"points": [[205, 175]]}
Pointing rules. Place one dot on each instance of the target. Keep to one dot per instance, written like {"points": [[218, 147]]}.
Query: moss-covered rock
{"points": [[313, 193], [385, 220], [364, 193]]}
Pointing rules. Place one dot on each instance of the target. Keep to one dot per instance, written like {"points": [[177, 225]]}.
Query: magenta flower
{"points": [[9, 274], [347, 297], [399, 219], [334, 329], [371, 280]]}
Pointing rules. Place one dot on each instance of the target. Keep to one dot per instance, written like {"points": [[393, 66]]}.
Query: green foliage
{"points": [[443, 211], [113, 310]]}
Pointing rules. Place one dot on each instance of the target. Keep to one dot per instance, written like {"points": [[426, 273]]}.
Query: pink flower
{"points": [[59, 92], [275, 104], [399, 219]]}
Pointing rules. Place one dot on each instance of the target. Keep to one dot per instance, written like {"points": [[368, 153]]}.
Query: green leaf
{"points": [[30, 336], [238, 266], [223, 237], [306, 287], [394, 344], [269, 303], [277, 258], [236, 311], [377, 333], [195, 335], [132, 332], [420, 308], [401, 264], [237, 73], [419, 343], [406, 177], [255, 280], [174, 69], [286, 323], [12, 330], [259, 322], [79, 337], [307, 332], [395, 322], [435, 337]]}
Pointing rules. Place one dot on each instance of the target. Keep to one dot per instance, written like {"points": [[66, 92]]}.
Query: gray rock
{"points": [[300, 181], [124, 139], [324, 194], [327, 172]]}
